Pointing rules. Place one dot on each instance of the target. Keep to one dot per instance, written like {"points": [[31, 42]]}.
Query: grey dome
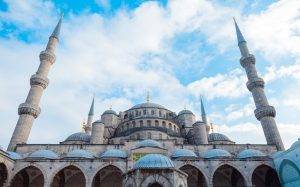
{"points": [[295, 144], [179, 153], [79, 153], [154, 161], [185, 112], [216, 153], [250, 153], [110, 112], [114, 153], [217, 137], [45, 154], [14, 155], [79, 136], [148, 105]]}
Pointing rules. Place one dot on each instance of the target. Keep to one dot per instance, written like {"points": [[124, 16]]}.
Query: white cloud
{"points": [[229, 85]]}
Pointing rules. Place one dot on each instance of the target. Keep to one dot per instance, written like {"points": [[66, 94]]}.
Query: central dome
{"points": [[148, 105]]}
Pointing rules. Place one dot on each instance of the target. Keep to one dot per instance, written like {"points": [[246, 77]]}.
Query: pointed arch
{"points": [[227, 175], [195, 177], [28, 176], [108, 176], [68, 177], [265, 176], [3, 174]]}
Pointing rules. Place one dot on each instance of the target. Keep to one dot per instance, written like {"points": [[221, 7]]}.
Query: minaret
{"points": [[88, 126], [203, 114], [29, 110], [263, 112]]}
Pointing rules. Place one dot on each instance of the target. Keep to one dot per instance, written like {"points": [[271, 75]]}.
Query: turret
{"points": [[186, 118], [263, 112], [88, 126], [30, 110], [200, 135], [97, 132], [111, 120]]}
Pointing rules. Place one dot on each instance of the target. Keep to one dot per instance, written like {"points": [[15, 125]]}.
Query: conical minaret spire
{"points": [[263, 112], [88, 126], [29, 110], [203, 114]]}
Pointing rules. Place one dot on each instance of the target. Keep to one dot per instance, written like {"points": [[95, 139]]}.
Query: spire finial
{"points": [[239, 34], [148, 97], [110, 107], [56, 31], [91, 112]]}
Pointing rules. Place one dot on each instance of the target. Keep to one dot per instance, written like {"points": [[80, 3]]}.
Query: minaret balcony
{"points": [[246, 61], [26, 108], [256, 82], [47, 56], [264, 111], [39, 80]]}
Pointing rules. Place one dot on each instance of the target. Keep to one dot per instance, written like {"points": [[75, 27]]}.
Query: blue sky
{"points": [[178, 50]]}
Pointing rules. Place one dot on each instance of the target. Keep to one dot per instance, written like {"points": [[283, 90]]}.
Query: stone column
{"points": [[263, 112], [29, 110]]}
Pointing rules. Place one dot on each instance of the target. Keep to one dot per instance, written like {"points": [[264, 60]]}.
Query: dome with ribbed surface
{"points": [[217, 137], [79, 153], [250, 153], [45, 154], [148, 105], [154, 161], [185, 112], [216, 153], [295, 144], [14, 155], [110, 111], [114, 153], [79, 136], [181, 153], [148, 143]]}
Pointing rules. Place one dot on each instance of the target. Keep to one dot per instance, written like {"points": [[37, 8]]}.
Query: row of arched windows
{"points": [[149, 123], [149, 135], [147, 112]]}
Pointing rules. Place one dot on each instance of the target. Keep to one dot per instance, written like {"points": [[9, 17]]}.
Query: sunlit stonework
{"points": [[147, 145]]}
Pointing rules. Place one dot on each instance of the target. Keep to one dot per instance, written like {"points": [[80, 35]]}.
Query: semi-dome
{"points": [[79, 153], [148, 143], [154, 161], [14, 155], [216, 153], [276, 154], [46, 154], [185, 112], [250, 153], [79, 136], [110, 111], [114, 153], [217, 137], [148, 105], [179, 153]]}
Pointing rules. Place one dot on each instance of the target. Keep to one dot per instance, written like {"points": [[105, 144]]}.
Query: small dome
{"points": [[79, 153], [185, 112], [110, 112], [98, 122], [79, 136], [148, 143], [216, 153], [217, 137], [46, 154], [14, 155], [114, 153], [295, 144], [154, 161], [183, 153], [250, 153], [147, 105]]}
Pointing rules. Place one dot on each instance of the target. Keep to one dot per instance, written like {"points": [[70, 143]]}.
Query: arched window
{"points": [[144, 112], [148, 123], [156, 123], [174, 128], [159, 113], [127, 126], [170, 126], [141, 123], [125, 116], [195, 176], [149, 135], [152, 112], [136, 113], [264, 176], [133, 124], [160, 136], [108, 176], [29, 176], [164, 124], [138, 136], [69, 176], [227, 175]]}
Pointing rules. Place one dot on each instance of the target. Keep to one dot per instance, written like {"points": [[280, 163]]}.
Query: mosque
{"points": [[148, 145]]}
